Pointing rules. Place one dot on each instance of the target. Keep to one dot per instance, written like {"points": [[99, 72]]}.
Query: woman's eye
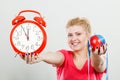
{"points": [[70, 35], [78, 34]]}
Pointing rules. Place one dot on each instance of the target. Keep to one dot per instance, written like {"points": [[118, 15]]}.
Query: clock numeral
{"points": [[32, 46], [16, 37], [34, 28], [37, 32], [28, 27], [18, 33], [27, 48], [36, 44], [22, 46], [39, 38]]}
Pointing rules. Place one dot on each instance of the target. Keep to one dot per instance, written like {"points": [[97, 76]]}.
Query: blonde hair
{"points": [[80, 22]]}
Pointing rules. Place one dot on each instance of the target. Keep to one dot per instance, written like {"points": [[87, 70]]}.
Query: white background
{"points": [[104, 16]]}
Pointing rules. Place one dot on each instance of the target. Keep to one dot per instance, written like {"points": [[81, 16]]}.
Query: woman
{"points": [[73, 64]]}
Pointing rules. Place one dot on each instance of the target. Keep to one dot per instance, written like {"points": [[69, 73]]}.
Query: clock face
{"points": [[27, 37]]}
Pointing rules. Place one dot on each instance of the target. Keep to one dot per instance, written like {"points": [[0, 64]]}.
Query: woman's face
{"points": [[77, 37]]}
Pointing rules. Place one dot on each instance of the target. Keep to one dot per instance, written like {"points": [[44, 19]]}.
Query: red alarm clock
{"points": [[28, 36]]}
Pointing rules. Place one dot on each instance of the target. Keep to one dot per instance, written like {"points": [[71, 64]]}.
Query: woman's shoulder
{"points": [[65, 51]]}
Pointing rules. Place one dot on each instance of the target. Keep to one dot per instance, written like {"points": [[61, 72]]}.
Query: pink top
{"points": [[68, 70]]}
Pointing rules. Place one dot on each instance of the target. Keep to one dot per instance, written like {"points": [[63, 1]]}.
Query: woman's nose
{"points": [[74, 37]]}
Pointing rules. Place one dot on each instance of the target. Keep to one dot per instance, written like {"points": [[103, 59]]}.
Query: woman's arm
{"points": [[54, 58], [98, 59]]}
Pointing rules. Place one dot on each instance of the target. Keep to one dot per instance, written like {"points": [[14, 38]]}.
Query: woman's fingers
{"points": [[26, 58], [101, 50], [30, 58]]}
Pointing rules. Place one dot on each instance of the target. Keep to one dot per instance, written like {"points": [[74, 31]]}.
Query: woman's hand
{"points": [[98, 58], [54, 58], [101, 50], [31, 58]]}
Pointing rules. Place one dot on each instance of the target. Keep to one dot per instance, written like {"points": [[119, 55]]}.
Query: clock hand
{"points": [[28, 34], [24, 32]]}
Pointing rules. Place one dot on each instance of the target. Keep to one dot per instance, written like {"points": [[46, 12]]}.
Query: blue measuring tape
{"points": [[107, 78], [88, 60]]}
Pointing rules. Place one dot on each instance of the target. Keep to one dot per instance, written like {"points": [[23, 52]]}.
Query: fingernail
{"points": [[101, 45], [32, 53], [27, 54]]}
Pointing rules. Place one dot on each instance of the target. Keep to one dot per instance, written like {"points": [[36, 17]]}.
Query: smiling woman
{"points": [[74, 62]]}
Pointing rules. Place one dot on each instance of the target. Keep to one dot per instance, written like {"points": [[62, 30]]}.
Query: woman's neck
{"points": [[83, 53]]}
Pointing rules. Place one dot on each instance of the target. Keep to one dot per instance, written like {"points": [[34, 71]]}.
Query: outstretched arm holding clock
{"points": [[55, 58], [74, 62]]}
